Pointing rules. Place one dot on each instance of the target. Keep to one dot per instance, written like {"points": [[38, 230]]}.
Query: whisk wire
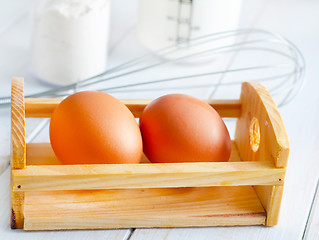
{"points": [[215, 46]]}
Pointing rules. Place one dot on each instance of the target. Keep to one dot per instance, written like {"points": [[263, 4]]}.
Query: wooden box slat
{"points": [[126, 176], [114, 176], [43, 107], [42, 154], [165, 207]]}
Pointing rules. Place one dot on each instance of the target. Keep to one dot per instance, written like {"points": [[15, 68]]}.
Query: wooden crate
{"points": [[247, 190]]}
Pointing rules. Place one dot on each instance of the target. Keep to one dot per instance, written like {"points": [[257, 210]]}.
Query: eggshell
{"points": [[93, 127], [181, 128]]}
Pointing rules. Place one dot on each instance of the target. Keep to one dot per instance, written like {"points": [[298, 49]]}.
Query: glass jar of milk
{"points": [[69, 41]]}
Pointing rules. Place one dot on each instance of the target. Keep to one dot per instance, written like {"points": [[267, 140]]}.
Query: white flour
{"points": [[70, 40]]}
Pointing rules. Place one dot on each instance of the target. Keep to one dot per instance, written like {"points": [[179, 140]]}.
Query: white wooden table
{"points": [[298, 20]]}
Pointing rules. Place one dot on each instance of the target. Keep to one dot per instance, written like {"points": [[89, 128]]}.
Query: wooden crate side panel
{"points": [[18, 147], [274, 146], [270, 197]]}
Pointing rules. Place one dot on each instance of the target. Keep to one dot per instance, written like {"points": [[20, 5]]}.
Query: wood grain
{"points": [[43, 107], [17, 209], [6, 233], [18, 147], [63, 177], [18, 154], [213, 206], [72, 177], [43, 154], [273, 145]]}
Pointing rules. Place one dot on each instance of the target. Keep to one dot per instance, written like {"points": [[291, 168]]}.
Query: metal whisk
{"points": [[212, 66]]}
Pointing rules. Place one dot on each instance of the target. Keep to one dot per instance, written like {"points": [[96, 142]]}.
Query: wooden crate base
{"points": [[143, 208]]}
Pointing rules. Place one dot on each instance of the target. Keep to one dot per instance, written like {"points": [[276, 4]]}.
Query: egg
{"points": [[181, 128], [92, 127]]}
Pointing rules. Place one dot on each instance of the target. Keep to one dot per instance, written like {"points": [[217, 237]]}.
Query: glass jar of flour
{"points": [[69, 41]]}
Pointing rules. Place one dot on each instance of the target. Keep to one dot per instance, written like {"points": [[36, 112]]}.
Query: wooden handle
{"points": [[43, 107]]}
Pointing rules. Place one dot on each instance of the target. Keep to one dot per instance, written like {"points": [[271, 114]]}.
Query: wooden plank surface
{"points": [[143, 208], [18, 147], [270, 197], [75, 177], [42, 154], [18, 155], [62, 177], [258, 105], [43, 107], [7, 233], [261, 125]]}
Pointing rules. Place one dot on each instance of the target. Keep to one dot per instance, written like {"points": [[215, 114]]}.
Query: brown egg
{"points": [[93, 127], [181, 128]]}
